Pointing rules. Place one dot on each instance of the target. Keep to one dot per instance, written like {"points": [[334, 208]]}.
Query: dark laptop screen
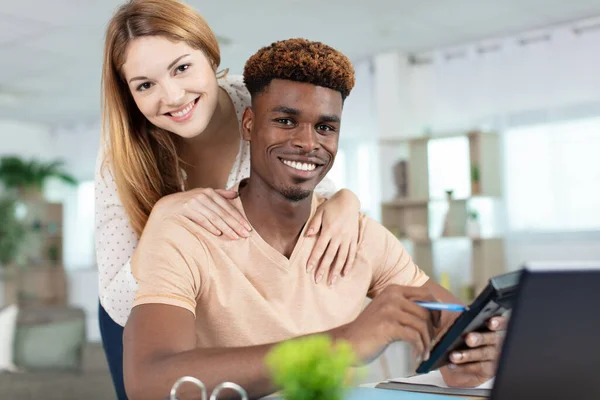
{"points": [[551, 349]]}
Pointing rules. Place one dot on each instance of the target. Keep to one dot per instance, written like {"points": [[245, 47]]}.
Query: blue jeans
{"points": [[112, 342]]}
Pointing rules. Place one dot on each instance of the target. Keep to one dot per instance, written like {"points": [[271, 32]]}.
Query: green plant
{"points": [[311, 368], [473, 214], [54, 254], [475, 173], [16, 173], [12, 231]]}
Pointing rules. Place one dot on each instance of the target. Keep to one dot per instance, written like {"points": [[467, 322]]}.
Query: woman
{"points": [[172, 145]]}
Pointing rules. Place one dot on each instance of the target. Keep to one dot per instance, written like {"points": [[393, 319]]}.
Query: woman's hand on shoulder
{"points": [[337, 222], [207, 207]]}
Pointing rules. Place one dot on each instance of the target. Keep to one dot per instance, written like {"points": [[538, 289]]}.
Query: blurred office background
{"points": [[473, 134]]}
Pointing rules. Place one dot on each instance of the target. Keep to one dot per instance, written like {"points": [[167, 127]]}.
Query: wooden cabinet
{"points": [[41, 280]]}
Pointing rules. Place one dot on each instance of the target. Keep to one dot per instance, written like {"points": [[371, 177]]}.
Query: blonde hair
{"points": [[144, 158]]}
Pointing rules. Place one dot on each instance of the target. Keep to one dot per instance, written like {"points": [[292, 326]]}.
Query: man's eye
{"points": [[285, 121], [144, 86], [325, 128]]}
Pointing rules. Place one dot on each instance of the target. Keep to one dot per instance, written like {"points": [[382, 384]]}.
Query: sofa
{"points": [[54, 360]]}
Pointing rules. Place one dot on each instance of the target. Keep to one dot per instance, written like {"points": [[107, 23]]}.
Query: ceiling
{"points": [[51, 51]]}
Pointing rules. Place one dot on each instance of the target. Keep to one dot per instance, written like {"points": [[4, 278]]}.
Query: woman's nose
{"points": [[173, 94]]}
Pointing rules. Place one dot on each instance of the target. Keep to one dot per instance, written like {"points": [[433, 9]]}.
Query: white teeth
{"points": [[300, 166], [184, 111]]}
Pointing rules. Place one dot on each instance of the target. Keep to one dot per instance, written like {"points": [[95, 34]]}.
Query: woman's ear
{"points": [[247, 123]]}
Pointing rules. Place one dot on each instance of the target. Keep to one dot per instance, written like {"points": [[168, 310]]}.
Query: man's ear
{"points": [[247, 123]]}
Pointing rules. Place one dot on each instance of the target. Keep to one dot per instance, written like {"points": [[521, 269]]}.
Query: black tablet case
{"points": [[494, 300]]}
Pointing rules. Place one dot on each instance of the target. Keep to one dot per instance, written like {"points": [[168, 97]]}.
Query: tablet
{"points": [[494, 300]]}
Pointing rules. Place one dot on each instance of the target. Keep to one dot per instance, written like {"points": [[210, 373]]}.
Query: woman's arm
{"points": [[115, 244], [116, 240]]}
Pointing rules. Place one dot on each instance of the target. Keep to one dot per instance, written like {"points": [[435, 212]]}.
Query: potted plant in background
{"points": [[12, 233], [28, 178], [54, 254], [475, 184], [312, 368], [42, 278], [473, 228]]}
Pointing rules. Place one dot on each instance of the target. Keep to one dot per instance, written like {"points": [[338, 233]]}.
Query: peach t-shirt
{"points": [[244, 292]]}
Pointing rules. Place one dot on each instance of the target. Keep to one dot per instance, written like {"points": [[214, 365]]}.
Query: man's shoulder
{"points": [[368, 228], [175, 231], [372, 233]]}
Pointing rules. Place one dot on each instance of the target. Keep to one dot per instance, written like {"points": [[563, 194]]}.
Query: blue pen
{"points": [[442, 306]]}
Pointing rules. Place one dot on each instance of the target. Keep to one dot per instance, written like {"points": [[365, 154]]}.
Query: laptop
{"points": [[551, 349]]}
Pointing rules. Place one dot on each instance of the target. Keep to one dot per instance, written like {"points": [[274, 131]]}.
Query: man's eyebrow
{"points": [[295, 111], [286, 110], [330, 118]]}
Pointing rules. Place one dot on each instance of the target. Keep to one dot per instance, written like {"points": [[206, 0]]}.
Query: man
{"points": [[213, 308]]}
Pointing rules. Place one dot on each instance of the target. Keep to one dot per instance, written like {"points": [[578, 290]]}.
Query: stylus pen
{"points": [[441, 306]]}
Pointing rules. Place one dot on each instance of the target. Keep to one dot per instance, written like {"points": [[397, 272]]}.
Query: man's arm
{"points": [[160, 347]]}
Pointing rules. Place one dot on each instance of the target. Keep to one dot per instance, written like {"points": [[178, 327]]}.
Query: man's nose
{"points": [[306, 138]]}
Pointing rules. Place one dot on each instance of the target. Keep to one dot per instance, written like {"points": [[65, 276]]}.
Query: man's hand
{"points": [[473, 367], [392, 316]]}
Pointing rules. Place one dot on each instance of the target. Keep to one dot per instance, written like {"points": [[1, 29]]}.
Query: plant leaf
{"points": [[312, 367], [18, 173]]}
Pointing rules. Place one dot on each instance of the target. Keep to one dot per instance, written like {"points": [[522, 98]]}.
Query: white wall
{"points": [[552, 246], [83, 292], [553, 76], [26, 140], [356, 165], [78, 146], [358, 120]]}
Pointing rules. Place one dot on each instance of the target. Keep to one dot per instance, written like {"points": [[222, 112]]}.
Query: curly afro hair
{"points": [[299, 60]]}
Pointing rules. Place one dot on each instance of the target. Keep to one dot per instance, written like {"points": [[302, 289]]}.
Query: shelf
{"points": [[406, 202], [441, 233], [410, 202], [416, 240], [442, 238], [459, 199], [405, 140]]}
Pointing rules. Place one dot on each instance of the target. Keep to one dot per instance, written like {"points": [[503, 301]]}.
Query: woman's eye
{"points": [[144, 86], [182, 68]]}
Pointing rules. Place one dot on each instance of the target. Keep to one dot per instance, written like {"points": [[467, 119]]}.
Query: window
{"points": [[449, 166], [552, 176], [355, 168]]}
